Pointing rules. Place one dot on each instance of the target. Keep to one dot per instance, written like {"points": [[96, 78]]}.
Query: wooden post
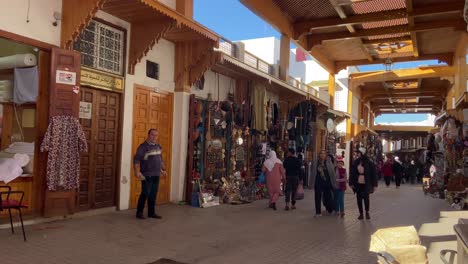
{"points": [[284, 58], [331, 90], [349, 122], [185, 7]]}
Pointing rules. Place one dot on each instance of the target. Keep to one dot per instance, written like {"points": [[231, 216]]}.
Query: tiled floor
{"points": [[225, 234]]}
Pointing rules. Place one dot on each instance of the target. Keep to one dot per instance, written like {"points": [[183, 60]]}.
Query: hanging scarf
{"points": [[271, 161]]}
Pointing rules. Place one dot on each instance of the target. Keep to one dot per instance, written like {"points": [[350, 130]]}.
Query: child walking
{"points": [[341, 178]]}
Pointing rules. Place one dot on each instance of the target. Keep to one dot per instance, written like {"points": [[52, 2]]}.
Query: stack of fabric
{"points": [[11, 168], [6, 90], [26, 148]]}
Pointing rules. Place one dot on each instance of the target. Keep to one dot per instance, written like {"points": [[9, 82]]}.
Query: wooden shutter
{"points": [[64, 100]]}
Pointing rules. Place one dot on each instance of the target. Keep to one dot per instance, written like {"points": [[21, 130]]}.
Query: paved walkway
{"points": [[224, 234]]}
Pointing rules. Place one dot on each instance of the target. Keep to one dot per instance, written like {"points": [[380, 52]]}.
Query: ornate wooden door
{"points": [[99, 167], [63, 100], [153, 110]]}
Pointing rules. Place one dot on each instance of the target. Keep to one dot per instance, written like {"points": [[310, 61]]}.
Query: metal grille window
{"points": [[101, 47]]}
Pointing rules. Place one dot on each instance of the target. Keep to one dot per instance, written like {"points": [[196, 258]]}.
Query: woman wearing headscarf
{"points": [[275, 174], [363, 181], [323, 180]]}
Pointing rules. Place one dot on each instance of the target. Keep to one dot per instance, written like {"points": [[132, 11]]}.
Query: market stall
{"points": [[447, 157], [230, 139]]}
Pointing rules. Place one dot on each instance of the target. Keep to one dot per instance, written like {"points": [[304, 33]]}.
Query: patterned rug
{"points": [[166, 261]]}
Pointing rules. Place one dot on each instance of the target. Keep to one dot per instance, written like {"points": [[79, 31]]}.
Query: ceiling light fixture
{"points": [[388, 65]]}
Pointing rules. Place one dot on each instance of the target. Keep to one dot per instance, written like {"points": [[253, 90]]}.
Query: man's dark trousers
{"points": [[149, 191]]}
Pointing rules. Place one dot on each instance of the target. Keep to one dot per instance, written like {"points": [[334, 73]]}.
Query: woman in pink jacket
{"points": [[275, 175]]}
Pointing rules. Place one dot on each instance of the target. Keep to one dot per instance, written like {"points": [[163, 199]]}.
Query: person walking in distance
{"points": [[397, 170], [274, 170], [149, 166], [323, 181], [341, 179], [387, 171], [292, 165], [363, 181]]}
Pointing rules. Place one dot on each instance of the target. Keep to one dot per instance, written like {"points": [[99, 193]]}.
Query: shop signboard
{"points": [[101, 80]]}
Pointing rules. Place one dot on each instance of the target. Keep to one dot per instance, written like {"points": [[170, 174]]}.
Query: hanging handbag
{"points": [[300, 191]]}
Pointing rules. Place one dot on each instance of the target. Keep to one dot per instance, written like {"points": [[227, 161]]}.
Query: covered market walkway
{"points": [[235, 234]]}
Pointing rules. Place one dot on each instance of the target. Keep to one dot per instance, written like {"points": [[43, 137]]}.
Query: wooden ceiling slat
{"points": [[455, 23], [441, 57], [302, 27]]}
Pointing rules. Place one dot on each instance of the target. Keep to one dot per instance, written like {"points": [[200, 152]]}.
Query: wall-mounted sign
{"points": [[101, 80], [86, 110], [65, 77]]}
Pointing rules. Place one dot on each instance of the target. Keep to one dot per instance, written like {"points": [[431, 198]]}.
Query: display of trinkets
{"points": [[238, 161], [215, 159]]}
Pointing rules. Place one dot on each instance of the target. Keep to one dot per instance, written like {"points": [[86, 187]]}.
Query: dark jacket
{"points": [[293, 165], [330, 170], [397, 169], [369, 174]]}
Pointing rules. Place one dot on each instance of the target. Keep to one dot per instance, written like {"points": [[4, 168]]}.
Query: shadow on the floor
{"points": [[166, 261]]}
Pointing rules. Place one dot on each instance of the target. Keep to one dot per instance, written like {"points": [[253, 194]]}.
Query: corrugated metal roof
{"points": [[306, 9], [386, 23], [395, 35], [377, 6]]}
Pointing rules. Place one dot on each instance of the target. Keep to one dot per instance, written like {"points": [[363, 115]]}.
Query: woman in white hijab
{"points": [[275, 174]]}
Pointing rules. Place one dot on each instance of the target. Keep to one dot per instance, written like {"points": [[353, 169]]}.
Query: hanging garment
{"points": [[26, 85], [64, 140], [259, 104]]}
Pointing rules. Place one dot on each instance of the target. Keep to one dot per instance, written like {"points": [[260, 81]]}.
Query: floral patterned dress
{"points": [[64, 140]]}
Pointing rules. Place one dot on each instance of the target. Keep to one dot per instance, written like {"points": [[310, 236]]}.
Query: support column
{"points": [[284, 58], [331, 90], [179, 145], [349, 121]]}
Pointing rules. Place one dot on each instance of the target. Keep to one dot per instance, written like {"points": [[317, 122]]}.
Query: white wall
{"points": [[355, 110], [40, 28], [297, 70], [267, 49], [13, 19], [226, 84], [162, 53]]}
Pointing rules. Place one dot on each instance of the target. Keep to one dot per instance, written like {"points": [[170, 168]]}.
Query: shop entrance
{"points": [[152, 110], [99, 167]]}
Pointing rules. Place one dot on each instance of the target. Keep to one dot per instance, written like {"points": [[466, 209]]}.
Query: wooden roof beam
{"points": [[441, 57], [414, 39], [350, 28], [316, 39], [272, 14], [385, 40], [385, 96], [405, 106], [303, 27]]}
